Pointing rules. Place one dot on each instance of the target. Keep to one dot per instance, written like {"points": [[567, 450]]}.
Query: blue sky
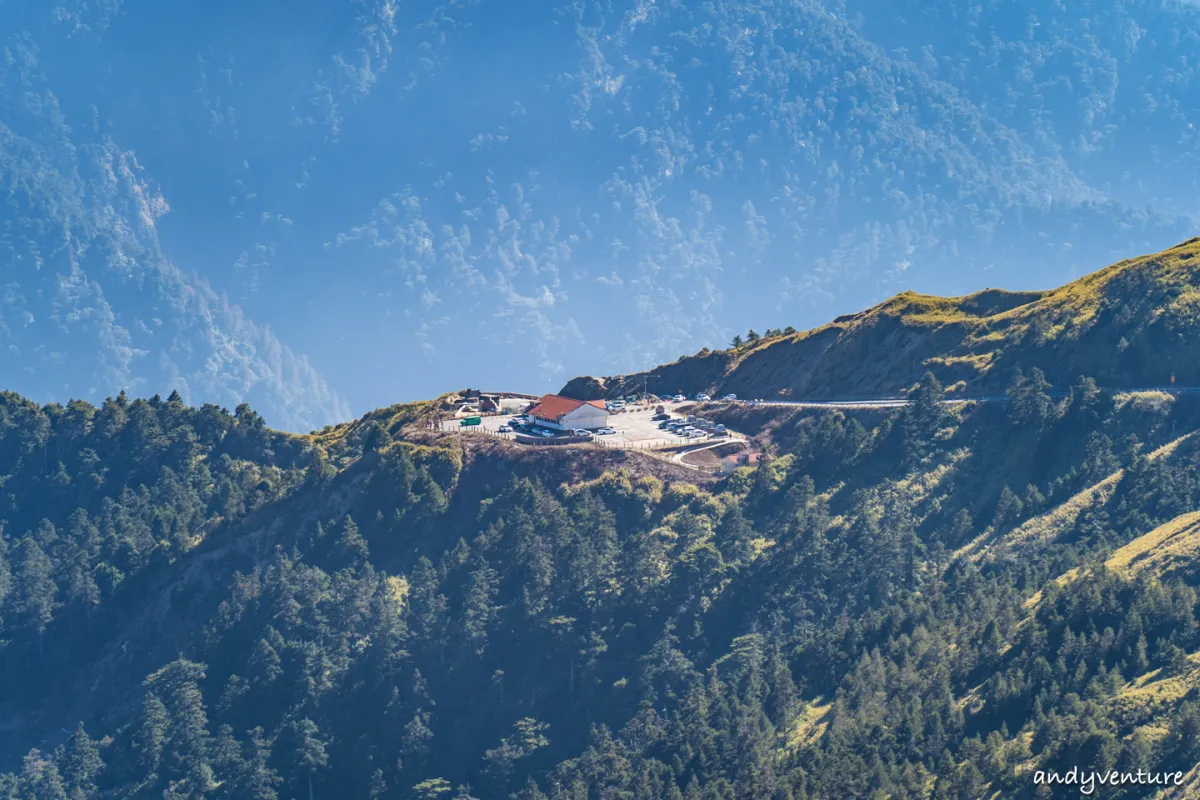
{"points": [[326, 208]]}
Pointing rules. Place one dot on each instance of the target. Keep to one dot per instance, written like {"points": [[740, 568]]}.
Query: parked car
{"points": [[605, 431], [721, 428], [702, 398], [729, 397], [661, 415], [581, 433], [678, 399], [505, 429], [546, 434], [695, 434]]}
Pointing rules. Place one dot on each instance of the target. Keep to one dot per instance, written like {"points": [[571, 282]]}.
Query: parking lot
{"points": [[634, 429]]}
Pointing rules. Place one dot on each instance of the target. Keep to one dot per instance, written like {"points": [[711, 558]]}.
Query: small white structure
{"points": [[566, 414], [731, 463]]}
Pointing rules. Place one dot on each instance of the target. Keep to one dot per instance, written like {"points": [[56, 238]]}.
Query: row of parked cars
{"points": [[521, 424], [704, 398], [691, 428]]}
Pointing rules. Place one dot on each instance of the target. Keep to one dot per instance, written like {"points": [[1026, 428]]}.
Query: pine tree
{"points": [[80, 764], [783, 697], [351, 546], [226, 754], [414, 746], [80, 584], [733, 535], [923, 416], [478, 606], [1029, 401], [35, 587], [427, 606], [151, 738], [40, 779], [264, 666], [260, 780], [187, 755], [308, 755], [1008, 509]]}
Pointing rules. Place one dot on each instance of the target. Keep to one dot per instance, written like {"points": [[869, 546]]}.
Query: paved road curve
{"points": [[709, 445], [897, 402]]}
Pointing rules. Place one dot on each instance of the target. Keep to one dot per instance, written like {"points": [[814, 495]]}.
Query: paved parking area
{"points": [[634, 430]]}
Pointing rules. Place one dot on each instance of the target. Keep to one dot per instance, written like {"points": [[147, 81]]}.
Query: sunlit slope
{"points": [[1128, 325]]}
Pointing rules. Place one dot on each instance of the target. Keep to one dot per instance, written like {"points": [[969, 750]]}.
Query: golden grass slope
{"points": [[1049, 526], [1161, 549], [1124, 325]]}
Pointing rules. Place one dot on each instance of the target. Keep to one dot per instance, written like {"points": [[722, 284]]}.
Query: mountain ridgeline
{"points": [[1133, 324], [934, 601]]}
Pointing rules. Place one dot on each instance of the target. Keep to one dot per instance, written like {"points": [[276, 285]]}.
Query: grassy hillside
{"points": [[1132, 324]]}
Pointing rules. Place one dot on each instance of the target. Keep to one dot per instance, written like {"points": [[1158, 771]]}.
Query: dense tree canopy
{"points": [[928, 602]]}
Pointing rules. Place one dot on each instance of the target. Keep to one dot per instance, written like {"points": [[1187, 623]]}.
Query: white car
{"points": [[679, 399], [605, 431], [695, 435], [729, 397], [546, 434], [505, 429], [702, 397]]}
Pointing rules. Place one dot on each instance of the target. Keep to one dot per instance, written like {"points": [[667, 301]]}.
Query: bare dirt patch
{"points": [[711, 458]]}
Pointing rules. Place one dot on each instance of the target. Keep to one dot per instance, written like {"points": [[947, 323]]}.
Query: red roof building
{"points": [[565, 413]]}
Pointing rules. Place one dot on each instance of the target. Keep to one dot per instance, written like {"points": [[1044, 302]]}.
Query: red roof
{"points": [[553, 406]]}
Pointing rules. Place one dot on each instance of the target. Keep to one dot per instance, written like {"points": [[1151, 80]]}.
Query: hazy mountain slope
{"points": [[1110, 87], [1132, 324], [89, 303]]}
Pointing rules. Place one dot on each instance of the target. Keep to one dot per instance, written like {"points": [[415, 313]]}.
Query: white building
{"points": [[730, 463], [565, 414]]}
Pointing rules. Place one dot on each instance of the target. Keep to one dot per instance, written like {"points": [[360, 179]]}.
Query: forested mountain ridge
{"points": [[1132, 324], [926, 602]]}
